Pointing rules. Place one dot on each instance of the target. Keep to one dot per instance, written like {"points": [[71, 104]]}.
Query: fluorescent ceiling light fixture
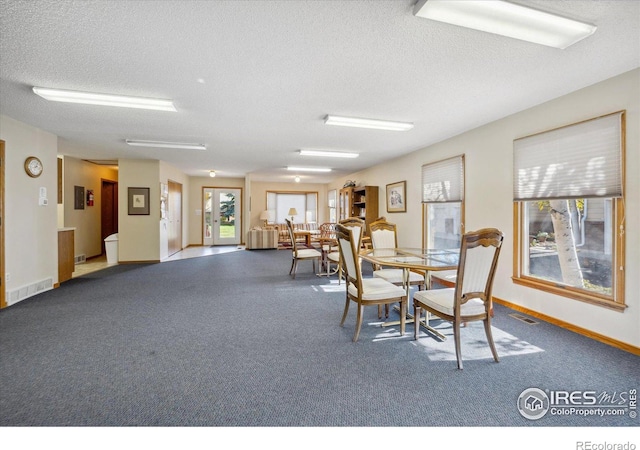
{"points": [[367, 123], [328, 154], [164, 144], [89, 98], [507, 19], [309, 169]]}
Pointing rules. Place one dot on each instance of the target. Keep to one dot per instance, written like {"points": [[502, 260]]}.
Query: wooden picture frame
{"points": [[138, 201], [397, 197]]}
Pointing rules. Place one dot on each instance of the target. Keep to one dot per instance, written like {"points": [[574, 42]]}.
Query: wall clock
{"points": [[33, 166]]}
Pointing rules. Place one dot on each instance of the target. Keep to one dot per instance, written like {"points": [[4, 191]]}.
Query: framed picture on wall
{"points": [[396, 197], [138, 201]]}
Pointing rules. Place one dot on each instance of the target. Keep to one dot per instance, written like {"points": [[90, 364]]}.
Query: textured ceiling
{"points": [[253, 79]]}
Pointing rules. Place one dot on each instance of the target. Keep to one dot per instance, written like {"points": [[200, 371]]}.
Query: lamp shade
{"points": [[264, 215], [293, 212]]}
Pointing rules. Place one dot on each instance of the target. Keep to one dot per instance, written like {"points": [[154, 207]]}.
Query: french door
{"points": [[221, 218]]}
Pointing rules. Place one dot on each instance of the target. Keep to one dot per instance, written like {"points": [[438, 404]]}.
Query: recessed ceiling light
{"points": [[507, 19], [309, 169], [326, 154], [164, 144], [90, 98], [367, 123]]}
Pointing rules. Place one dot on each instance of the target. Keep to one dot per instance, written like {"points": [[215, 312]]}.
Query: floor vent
{"points": [[29, 290], [80, 259], [524, 319]]}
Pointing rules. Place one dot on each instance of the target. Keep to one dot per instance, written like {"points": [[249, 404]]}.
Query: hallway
{"points": [[100, 262]]}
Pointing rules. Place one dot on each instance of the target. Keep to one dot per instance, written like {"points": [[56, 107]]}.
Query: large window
{"points": [[569, 210], [305, 204], [443, 203], [332, 202]]}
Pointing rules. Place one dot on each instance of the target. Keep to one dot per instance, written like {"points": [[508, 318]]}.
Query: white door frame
{"points": [[214, 237]]}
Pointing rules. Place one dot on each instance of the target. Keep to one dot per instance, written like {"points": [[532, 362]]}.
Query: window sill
{"points": [[568, 292]]}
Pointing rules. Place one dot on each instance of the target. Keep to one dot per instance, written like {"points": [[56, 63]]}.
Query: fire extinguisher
{"points": [[89, 197]]}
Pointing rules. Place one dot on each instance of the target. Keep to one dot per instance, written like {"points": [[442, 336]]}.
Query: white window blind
{"points": [[443, 181], [576, 161]]}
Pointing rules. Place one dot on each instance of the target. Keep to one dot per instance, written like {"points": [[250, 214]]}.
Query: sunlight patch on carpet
{"points": [[473, 343]]}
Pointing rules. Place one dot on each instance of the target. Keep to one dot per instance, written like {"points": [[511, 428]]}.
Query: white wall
{"points": [[489, 200], [31, 236]]}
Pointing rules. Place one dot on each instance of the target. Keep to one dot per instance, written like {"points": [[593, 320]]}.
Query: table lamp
{"points": [[292, 212], [264, 215]]}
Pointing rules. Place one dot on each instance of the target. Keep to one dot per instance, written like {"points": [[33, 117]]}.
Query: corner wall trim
{"points": [[583, 331]]}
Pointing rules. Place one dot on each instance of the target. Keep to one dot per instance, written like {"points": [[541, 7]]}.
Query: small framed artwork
{"points": [[78, 197], [138, 201], [396, 197]]}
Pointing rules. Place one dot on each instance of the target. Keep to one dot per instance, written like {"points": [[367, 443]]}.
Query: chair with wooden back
{"points": [[384, 235], [470, 299], [333, 256], [300, 254], [364, 291]]}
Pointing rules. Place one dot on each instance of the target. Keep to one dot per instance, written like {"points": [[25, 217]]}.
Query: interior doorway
{"points": [[175, 217], [3, 289], [222, 222], [108, 210]]}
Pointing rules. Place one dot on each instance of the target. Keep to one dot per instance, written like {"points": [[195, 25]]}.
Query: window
{"points": [[305, 204], [443, 203], [569, 210], [333, 204]]}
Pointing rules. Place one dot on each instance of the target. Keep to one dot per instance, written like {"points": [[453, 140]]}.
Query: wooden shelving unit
{"points": [[359, 201]]}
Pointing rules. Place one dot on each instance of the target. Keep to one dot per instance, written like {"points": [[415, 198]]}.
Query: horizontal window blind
{"points": [[576, 161], [443, 181]]}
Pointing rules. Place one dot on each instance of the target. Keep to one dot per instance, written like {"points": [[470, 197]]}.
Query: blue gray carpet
{"points": [[232, 340]]}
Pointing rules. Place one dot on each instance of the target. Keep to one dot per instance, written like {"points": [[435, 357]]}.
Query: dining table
{"points": [[422, 260]]}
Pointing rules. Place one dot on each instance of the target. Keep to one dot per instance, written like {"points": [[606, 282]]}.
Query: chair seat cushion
{"points": [[334, 256], [377, 289], [442, 300], [308, 253], [448, 276], [395, 276]]}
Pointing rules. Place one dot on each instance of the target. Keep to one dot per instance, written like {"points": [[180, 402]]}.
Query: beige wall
{"points": [[87, 221], [489, 202], [31, 231], [139, 236]]}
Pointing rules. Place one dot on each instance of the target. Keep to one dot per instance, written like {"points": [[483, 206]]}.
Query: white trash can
{"points": [[111, 246]]}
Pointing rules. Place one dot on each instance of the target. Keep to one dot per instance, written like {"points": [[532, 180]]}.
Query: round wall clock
{"points": [[33, 166]]}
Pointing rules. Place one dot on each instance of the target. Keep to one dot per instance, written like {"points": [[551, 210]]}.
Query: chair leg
{"points": [[487, 330], [416, 321], [293, 261], [295, 267], [456, 337], [346, 310], [358, 323], [403, 316]]}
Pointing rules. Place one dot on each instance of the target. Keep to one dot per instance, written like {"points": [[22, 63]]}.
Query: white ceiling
{"points": [[254, 79]]}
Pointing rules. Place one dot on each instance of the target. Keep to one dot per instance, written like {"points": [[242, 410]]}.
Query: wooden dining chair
{"points": [[364, 291], [470, 299], [333, 257], [384, 235], [303, 254]]}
